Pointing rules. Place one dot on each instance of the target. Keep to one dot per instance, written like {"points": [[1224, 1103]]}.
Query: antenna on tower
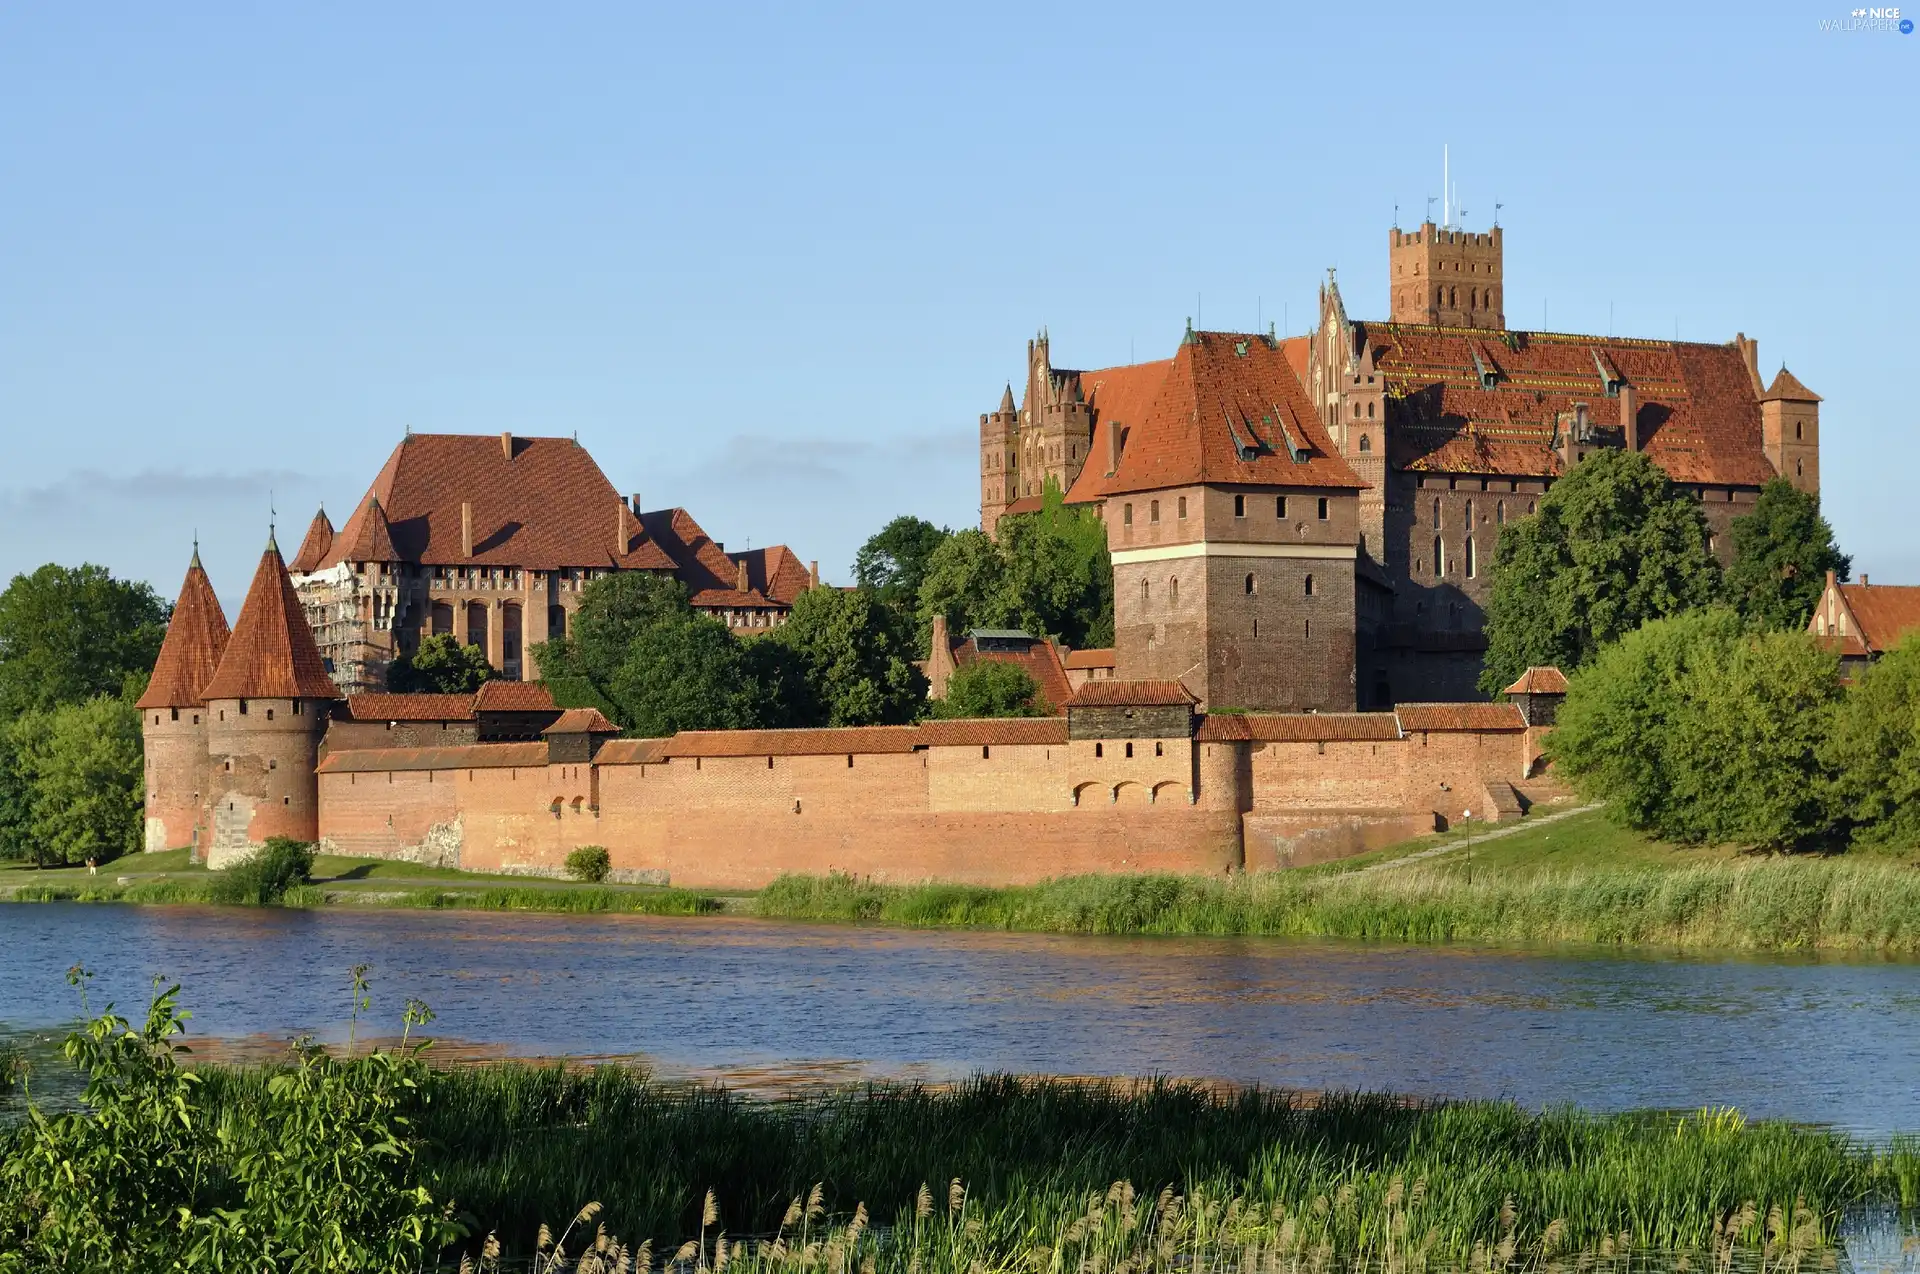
{"points": [[1446, 187], [1431, 200], [1497, 206], [1396, 215]]}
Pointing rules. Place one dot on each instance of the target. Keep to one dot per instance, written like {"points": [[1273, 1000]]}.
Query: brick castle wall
{"points": [[984, 814]]}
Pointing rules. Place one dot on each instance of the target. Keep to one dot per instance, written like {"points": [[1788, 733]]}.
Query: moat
{"points": [[768, 1005]]}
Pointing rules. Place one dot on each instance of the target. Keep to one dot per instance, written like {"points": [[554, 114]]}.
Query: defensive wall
{"points": [[1120, 788]]}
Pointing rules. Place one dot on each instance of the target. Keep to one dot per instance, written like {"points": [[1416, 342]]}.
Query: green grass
{"points": [[516, 1145], [1772, 904], [1577, 841], [593, 898]]}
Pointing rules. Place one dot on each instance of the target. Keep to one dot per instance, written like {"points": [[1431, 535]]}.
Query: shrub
{"points": [[590, 863], [264, 878], [990, 688], [1875, 748]]}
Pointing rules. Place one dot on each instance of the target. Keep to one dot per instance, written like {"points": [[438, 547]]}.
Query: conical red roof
{"points": [[196, 638], [373, 536], [1787, 386], [314, 548], [272, 654]]}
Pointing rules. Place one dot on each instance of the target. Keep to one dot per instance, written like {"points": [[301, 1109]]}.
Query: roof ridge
{"points": [[271, 653]]}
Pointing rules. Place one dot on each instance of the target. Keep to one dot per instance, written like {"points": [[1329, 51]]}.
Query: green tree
{"points": [[989, 688], [68, 634], [965, 582], [1874, 751], [81, 767], [1613, 545], [441, 665], [1782, 552], [855, 658], [16, 802], [894, 561], [685, 673], [1700, 731]]}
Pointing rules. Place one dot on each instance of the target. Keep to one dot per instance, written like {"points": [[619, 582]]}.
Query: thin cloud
{"points": [[153, 486]]}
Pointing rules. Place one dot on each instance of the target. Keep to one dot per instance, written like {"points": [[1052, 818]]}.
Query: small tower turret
{"points": [[1790, 430], [999, 460], [1448, 276], [173, 714], [268, 705]]}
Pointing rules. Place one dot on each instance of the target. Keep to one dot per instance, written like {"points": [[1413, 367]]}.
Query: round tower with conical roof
{"points": [[173, 714], [268, 705]]}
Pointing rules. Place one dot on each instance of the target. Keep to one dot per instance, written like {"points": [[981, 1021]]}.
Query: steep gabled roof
{"points": [[514, 696], [190, 654], [1038, 657], [582, 721], [1695, 406], [775, 573], [1539, 680], [271, 654], [1884, 613], [538, 503], [314, 548], [1229, 410], [703, 565], [1132, 694]]}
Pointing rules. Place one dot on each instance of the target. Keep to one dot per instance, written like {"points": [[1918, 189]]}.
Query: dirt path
{"points": [[1495, 834]]}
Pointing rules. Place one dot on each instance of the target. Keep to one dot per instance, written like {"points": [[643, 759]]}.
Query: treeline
{"points": [[1698, 707], [76, 648], [844, 657]]}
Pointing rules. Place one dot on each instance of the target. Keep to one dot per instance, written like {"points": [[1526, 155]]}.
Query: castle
{"points": [[492, 541], [1299, 529], [1306, 522]]}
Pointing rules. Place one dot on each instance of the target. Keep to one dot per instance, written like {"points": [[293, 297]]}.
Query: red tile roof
{"points": [[1416, 717], [1886, 613], [1298, 727], [1697, 411], [1222, 397], [1131, 694], [372, 538], [472, 756], [860, 739], [514, 696], [1006, 731], [271, 654], [1539, 681], [546, 506], [410, 707], [1040, 660], [582, 721], [1786, 387], [1093, 657], [313, 549], [712, 576], [196, 638]]}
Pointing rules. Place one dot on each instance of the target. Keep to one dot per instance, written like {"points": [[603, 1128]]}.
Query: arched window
{"points": [[1143, 592], [1356, 411], [1796, 431], [1472, 296], [1797, 472], [1500, 513], [1250, 586], [1153, 511], [1173, 588], [1309, 585], [1439, 558], [1126, 515], [1436, 510], [1366, 444], [1183, 507], [1369, 411], [1469, 513], [1470, 561]]}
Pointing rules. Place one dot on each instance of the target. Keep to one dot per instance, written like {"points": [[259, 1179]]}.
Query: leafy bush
{"points": [[1875, 748], [320, 1174], [79, 769], [590, 863], [990, 688], [1698, 730], [264, 878]]}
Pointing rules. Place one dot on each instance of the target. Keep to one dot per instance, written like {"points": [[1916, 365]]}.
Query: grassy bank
{"points": [[581, 898], [1518, 888], [1027, 1175]]}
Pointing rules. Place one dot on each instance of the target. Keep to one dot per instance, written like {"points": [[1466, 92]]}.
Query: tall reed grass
{"points": [[1052, 1170], [1770, 904], [645, 902]]}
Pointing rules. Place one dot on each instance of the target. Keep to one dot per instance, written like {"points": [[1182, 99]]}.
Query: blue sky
{"points": [[771, 262]]}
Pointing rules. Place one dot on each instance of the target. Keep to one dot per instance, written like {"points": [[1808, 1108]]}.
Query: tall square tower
{"points": [[1447, 277]]}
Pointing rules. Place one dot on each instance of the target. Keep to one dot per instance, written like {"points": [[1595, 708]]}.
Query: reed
{"points": [[1059, 1165], [1759, 904], [644, 902]]}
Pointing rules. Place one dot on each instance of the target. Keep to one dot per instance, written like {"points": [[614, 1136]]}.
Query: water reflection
{"points": [[768, 1005]]}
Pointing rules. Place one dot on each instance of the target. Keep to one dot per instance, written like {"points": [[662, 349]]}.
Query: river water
{"points": [[768, 1005]]}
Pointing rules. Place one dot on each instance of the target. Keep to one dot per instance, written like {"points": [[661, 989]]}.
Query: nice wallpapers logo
{"points": [[1880, 19]]}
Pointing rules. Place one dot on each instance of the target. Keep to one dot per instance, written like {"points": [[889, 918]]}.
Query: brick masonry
{"points": [[985, 814]]}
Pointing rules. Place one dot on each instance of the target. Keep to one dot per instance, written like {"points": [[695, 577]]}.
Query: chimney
{"points": [[740, 575], [1582, 428], [1630, 416], [1113, 447], [506, 445], [1830, 580], [635, 499], [623, 533], [813, 575], [1863, 579], [1750, 355], [466, 528]]}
